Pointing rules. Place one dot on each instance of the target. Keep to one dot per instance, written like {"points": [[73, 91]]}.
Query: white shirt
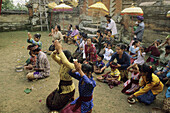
{"points": [[112, 27], [140, 59], [82, 45], [108, 52]]}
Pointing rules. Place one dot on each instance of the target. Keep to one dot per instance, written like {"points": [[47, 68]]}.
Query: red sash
{"points": [[79, 101]]}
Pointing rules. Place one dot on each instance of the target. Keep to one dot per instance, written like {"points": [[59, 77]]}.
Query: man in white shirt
{"points": [[111, 25]]}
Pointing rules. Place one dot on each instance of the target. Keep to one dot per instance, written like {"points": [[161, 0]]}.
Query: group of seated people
{"points": [[87, 59]]}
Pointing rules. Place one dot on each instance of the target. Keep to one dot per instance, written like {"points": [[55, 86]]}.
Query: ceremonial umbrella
{"points": [[52, 5], [63, 7], [168, 14], [99, 6], [132, 11]]}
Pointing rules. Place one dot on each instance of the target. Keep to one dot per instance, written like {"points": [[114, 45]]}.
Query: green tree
{"points": [[7, 4]]}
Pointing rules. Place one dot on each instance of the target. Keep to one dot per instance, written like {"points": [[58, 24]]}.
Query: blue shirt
{"points": [[100, 64], [85, 90], [69, 33], [133, 50], [124, 61], [168, 90]]}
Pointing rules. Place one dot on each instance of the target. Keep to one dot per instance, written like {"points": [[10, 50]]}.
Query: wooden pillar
{"points": [[0, 6]]}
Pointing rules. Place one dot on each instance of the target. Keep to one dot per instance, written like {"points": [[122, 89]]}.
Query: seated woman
{"points": [[133, 51], [84, 103], [74, 34], [123, 61], [151, 86], [99, 64], [111, 77], [65, 91], [155, 53], [57, 35], [132, 85], [163, 61], [90, 51], [68, 33]]}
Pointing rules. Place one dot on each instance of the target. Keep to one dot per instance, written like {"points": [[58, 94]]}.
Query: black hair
{"points": [[71, 25], [109, 31], [98, 31], [68, 55], [122, 46], [109, 20], [136, 41], [101, 55], [30, 53], [158, 40], [36, 50], [145, 68], [58, 27], [144, 48], [87, 68], [80, 33], [84, 35], [37, 35], [107, 16], [167, 47], [77, 27]]}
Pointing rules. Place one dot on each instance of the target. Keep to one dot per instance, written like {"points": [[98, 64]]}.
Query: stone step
{"points": [[91, 35], [89, 30]]}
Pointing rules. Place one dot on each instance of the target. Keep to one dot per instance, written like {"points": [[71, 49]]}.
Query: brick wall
{"points": [[118, 6]]}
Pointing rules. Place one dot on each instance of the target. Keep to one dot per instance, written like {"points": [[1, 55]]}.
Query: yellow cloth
{"points": [[153, 86], [65, 67], [116, 73], [75, 37]]}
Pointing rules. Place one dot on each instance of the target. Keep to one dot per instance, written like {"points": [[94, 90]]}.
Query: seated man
{"points": [[42, 67]]}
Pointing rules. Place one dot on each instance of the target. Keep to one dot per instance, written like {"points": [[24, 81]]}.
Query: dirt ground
{"points": [[12, 84]]}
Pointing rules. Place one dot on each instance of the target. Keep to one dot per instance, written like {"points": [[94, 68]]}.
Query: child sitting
{"points": [[36, 40], [112, 77], [132, 85], [141, 56], [133, 51], [108, 52], [99, 64]]}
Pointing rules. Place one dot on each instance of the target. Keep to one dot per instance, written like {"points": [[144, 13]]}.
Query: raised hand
{"points": [[29, 35], [77, 66], [58, 46]]}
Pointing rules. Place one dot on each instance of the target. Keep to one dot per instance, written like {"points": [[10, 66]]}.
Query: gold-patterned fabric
{"points": [[156, 86], [65, 67]]}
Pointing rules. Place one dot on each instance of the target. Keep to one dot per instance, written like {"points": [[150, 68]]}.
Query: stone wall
{"points": [[155, 17], [71, 17], [13, 20]]}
